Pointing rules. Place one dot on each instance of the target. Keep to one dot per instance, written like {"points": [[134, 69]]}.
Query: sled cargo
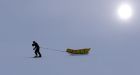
{"points": [[78, 51]]}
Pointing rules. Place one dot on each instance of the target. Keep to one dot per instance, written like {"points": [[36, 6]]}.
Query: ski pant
{"points": [[37, 52]]}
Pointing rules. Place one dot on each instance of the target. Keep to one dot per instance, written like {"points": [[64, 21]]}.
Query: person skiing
{"points": [[37, 49]]}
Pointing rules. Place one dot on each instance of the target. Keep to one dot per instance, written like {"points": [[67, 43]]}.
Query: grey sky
{"points": [[62, 24]]}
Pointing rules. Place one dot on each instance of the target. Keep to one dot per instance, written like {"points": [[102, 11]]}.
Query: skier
{"points": [[36, 48]]}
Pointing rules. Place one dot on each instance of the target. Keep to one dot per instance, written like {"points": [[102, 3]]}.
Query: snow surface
{"points": [[18, 61]]}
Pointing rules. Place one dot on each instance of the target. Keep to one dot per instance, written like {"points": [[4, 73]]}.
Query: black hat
{"points": [[34, 42]]}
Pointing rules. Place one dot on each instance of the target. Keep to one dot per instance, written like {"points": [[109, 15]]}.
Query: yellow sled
{"points": [[78, 51]]}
